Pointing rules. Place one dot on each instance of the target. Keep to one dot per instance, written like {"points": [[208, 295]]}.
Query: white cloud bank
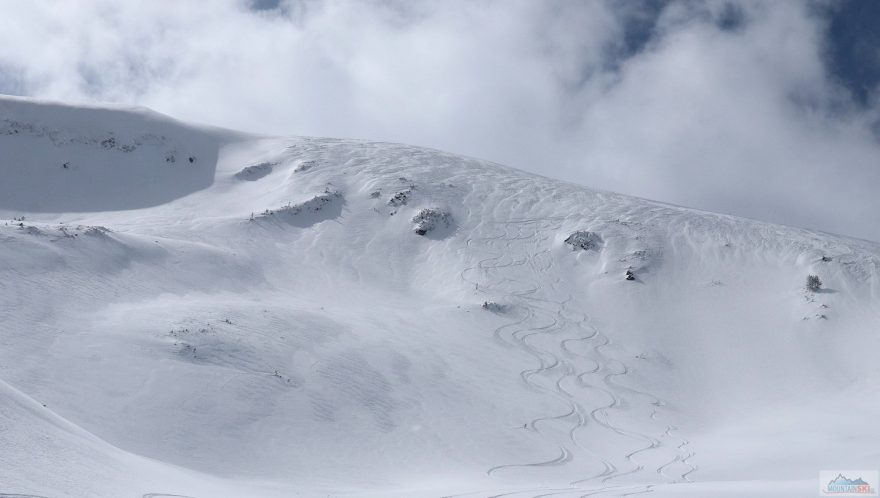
{"points": [[729, 106]]}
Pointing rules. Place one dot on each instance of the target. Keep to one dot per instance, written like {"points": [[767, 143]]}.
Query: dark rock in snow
{"points": [[254, 172], [430, 219], [584, 240], [315, 210], [305, 166], [400, 198], [492, 306]]}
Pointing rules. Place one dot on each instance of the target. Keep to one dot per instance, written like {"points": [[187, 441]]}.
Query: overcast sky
{"points": [[760, 109]]}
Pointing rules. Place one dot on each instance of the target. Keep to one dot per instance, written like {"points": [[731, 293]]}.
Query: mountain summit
{"points": [[199, 312]]}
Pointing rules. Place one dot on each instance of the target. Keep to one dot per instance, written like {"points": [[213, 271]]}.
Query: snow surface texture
{"points": [[264, 321]]}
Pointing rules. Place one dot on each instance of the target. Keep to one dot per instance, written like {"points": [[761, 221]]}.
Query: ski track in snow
{"points": [[544, 316]]}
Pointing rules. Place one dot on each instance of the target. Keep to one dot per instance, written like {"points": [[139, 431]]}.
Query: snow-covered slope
{"points": [[313, 317]]}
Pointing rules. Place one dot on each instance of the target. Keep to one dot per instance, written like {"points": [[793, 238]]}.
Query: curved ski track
{"points": [[517, 257]]}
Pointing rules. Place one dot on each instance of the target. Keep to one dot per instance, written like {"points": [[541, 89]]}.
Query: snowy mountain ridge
{"points": [[201, 312]]}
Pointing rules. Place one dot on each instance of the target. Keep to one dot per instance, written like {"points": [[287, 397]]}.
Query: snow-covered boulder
{"points": [[584, 240], [93, 231], [430, 219], [325, 206], [305, 166], [400, 198], [493, 306], [255, 172]]}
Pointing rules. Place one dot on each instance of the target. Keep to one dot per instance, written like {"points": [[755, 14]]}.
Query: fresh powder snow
{"points": [[189, 311]]}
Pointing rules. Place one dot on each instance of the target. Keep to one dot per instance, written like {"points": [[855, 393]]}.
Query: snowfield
{"points": [[187, 311]]}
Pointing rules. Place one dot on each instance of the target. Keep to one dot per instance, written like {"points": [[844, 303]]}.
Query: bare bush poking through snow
{"points": [[429, 219], [584, 240], [813, 283]]}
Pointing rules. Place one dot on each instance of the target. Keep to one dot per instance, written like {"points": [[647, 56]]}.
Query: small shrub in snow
{"points": [[429, 219], [813, 283], [584, 240]]}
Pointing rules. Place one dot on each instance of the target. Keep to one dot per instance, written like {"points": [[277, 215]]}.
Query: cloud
{"points": [[725, 106], [742, 121]]}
